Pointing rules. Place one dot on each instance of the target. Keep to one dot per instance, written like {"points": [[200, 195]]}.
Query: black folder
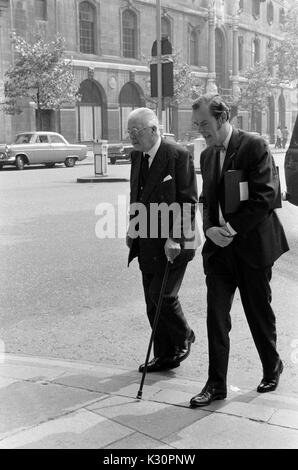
{"points": [[232, 180]]}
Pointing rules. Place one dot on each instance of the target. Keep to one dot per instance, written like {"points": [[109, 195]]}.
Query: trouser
{"points": [[225, 273], [172, 328]]}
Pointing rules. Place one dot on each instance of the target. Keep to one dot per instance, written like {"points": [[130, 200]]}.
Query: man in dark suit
{"points": [[162, 213], [240, 246]]}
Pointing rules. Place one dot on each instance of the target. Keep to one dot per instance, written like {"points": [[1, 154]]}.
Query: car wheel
{"points": [[70, 162], [112, 160], [20, 163], [49, 165], [1, 166]]}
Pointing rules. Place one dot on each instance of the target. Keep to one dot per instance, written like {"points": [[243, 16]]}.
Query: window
{"points": [[166, 28], [255, 51], [41, 10], [193, 48], [129, 27], [282, 16], [90, 112], [256, 8], [270, 12], [42, 139], [240, 52], [87, 28], [129, 99], [56, 139], [20, 19]]}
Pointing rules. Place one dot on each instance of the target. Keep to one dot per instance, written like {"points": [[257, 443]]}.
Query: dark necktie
{"points": [[144, 168]]}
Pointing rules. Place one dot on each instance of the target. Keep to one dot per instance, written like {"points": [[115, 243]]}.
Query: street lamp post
{"points": [[159, 65]]}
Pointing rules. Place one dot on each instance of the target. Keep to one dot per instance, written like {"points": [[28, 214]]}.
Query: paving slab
{"points": [[107, 384], [154, 419], [174, 397], [248, 410], [28, 372], [286, 418], [218, 431], [138, 441], [78, 430], [25, 404], [65, 365]]}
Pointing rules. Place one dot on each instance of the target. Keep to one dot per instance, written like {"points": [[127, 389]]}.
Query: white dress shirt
{"points": [[153, 151]]}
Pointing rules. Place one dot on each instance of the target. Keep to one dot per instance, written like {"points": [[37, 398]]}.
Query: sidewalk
{"points": [[55, 404]]}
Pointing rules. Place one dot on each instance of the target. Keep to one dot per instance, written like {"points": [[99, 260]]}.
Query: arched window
{"points": [[41, 10], [166, 28], [20, 19], [129, 99], [87, 28], [90, 111], [193, 48], [255, 51], [256, 8], [270, 12], [129, 32], [282, 16]]}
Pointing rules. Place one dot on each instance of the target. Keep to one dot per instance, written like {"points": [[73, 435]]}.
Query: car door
{"points": [[58, 148], [40, 149]]}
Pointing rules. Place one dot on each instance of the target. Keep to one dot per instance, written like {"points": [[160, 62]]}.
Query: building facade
{"points": [[110, 43]]}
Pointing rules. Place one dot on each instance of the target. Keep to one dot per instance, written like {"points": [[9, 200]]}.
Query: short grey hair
{"points": [[146, 116]]}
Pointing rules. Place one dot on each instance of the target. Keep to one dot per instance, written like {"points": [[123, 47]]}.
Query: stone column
{"points": [[211, 85], [235, 76]]}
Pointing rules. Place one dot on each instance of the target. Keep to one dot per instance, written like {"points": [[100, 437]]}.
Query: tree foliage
{"points": [[187, 87], [41, 74], [257, 89], [284, 53]]}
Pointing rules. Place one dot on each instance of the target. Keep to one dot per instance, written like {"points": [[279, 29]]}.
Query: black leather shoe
{"points": [[269, 384], [183, 353], [207, 395], [157, 364]]}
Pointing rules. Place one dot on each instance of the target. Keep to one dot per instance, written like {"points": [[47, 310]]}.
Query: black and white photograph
{"points": [[149, 229]]}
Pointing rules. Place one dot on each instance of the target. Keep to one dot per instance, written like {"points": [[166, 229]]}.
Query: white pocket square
{"points": [[167, 178]]}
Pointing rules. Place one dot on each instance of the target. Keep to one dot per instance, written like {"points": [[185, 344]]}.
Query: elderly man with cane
{"points": [[162, 233]]}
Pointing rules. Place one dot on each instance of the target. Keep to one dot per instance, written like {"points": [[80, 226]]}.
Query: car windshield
{"points": [[23, 138]]}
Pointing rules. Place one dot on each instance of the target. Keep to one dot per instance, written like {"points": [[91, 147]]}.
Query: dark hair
{"points": [[215, 103]]}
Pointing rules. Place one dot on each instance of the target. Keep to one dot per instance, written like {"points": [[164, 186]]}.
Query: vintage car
{"points": [[46, 148], [291, 167], [122, 151], [119, 152]]}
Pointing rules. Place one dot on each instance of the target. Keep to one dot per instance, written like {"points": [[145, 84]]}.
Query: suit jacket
{"points": [[260, 238], [171, 179]]}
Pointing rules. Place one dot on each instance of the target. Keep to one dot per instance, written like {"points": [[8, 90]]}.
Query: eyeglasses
{"points": [[134, 131]]}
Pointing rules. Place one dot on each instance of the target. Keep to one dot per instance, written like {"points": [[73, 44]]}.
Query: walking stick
{"points": [[156, 318]]}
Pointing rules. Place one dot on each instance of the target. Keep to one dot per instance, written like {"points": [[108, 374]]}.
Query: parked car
{"points": [[47, 148], [291, 167], [119, 151]]}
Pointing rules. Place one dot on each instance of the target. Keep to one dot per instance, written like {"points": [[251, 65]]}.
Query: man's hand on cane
{"points": [[172, 249]]}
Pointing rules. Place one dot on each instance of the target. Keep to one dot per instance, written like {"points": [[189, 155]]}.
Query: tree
{"points": [[41, 74], [284, 53], [257, 90]]}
